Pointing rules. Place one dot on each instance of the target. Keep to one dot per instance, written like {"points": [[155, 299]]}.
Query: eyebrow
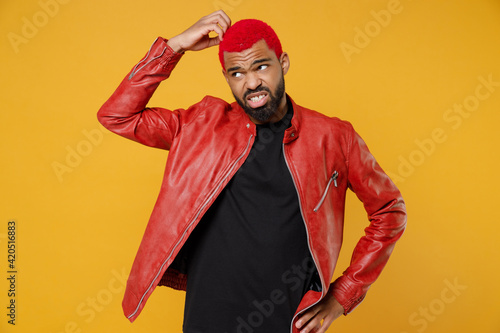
{"points": [[258, 61]]}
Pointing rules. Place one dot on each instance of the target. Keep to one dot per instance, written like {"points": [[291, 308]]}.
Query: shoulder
{"points": [[209, 110], [208, 105], [209, 102], [318, 121]]}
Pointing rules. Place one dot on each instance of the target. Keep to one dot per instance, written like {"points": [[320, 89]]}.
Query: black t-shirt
{"points": [[248, 260]]}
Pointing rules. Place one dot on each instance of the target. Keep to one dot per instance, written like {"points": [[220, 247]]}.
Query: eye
{"points": [[262, 67], [236, 74]]}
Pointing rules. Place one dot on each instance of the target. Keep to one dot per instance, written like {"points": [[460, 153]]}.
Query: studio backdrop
{"points": [[418, 79]]}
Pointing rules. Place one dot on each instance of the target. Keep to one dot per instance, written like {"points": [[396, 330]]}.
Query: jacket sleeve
{"points": [[125, 112], [387, 215]]}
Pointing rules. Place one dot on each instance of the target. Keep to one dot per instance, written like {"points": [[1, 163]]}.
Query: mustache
{"points": [[252, 91]]}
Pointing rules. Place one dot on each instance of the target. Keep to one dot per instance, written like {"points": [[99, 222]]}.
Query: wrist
{"points": [[174, 45]]}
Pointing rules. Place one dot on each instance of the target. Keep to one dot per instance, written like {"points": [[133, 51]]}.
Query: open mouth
{"points": [[257, 99]]}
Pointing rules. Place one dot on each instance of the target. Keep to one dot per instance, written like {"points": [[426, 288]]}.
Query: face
{"points": [[256, 79]]}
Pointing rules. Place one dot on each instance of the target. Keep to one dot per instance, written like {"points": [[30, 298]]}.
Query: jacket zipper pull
{"points": [[334, 177], [325, 192]]}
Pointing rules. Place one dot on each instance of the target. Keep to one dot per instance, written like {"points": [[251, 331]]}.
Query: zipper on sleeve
{"points": [[333, 179], [135, 70]]}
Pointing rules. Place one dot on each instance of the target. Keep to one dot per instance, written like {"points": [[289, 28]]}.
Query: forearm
{"points": [[370, 256], [123, 112], [387, 215]]}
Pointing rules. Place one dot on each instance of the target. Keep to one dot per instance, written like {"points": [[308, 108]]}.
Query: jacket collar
{"points": [[292, 132]]}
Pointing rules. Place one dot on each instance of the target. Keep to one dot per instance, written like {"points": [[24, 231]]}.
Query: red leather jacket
{"points": [[209, 141]]}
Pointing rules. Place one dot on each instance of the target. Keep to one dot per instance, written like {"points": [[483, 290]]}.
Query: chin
{"points": [[262, 114]]}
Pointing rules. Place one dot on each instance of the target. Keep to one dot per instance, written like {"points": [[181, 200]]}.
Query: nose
{"points": [[253, 81]]}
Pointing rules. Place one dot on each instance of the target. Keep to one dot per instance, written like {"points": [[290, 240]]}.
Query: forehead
{"points": [[245, 58]]}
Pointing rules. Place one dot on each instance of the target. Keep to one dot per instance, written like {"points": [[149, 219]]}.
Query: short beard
{"points": [[264, 112]]}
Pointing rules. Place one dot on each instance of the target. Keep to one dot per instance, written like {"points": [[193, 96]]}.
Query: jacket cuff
{"points": [[346, 295], [161, 59]]}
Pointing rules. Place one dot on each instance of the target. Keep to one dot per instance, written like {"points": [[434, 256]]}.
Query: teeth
{"points": [[257, 98]]}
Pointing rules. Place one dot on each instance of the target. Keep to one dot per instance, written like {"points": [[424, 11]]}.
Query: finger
{"points": [[214, 41], [211, 27], [327, 319], [313, 326], [306, 317], [326, 324], [222, 18], [225, 21], [218, 30], [218, 17]]}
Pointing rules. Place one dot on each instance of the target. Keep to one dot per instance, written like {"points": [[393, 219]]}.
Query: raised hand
{"points": [[197, 38]]}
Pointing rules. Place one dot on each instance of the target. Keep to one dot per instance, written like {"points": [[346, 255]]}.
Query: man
{"points": [[249, 218]]}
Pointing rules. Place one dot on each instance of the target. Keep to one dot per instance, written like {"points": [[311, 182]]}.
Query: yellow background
{"points": [[79, 227]]}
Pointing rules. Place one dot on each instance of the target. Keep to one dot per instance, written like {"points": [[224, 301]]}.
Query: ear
{"points": [[285, 62], [225, 75]]}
